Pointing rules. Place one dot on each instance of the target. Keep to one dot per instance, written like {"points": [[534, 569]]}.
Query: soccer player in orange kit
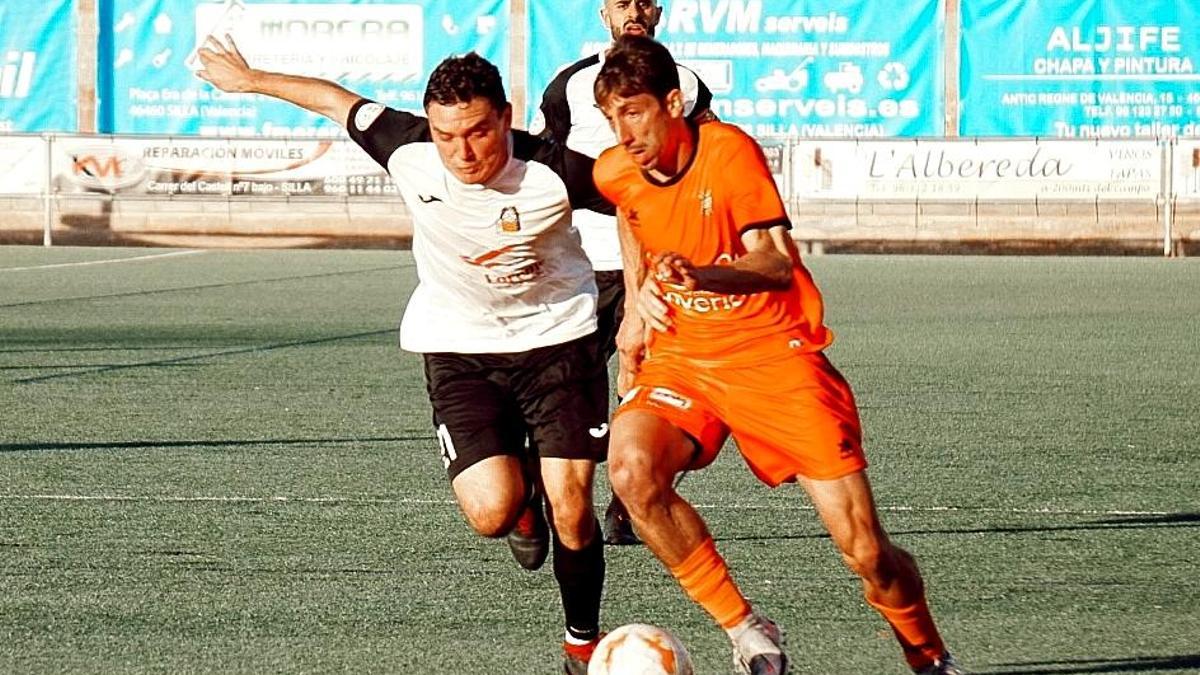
{"points": [[735, 347]]}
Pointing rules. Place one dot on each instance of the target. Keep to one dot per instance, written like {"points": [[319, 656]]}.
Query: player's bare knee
{"points": [[575, 527], [491, 517], [638, 485], [627, 464]]}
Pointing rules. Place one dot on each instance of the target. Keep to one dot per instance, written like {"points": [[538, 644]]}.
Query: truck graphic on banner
{"points": [[840, 68]]}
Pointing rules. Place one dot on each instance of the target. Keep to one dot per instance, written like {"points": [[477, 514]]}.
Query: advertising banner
{"points": [[1080, 69], [197, 167], [383, 50], [1000, 170], [38, 90], [1187, 170], [23, 165], [841, 68]]}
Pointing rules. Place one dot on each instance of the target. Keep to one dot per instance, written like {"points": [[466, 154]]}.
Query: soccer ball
{"points": [[640, 649]]}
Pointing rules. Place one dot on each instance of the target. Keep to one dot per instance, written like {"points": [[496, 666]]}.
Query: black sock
{"points": [[580, 576]]}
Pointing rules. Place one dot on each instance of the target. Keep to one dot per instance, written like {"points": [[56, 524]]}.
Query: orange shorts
{"points": [[793, 415]]}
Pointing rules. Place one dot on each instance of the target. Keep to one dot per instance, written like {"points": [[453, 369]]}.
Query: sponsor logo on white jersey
{"points": [[510, 265]]}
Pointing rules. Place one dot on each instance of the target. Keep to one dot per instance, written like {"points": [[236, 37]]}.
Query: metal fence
{"points": [[837, 190]]}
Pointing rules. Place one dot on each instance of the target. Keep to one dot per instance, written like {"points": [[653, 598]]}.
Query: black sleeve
{"points": [[381, 130], [574, 168], [556, 111]]}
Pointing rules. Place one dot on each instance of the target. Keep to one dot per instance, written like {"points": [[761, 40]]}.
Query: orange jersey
{"points": [[702, 213]]}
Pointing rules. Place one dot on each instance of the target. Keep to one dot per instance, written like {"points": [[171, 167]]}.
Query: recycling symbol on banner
{"points": [[894, 76]]}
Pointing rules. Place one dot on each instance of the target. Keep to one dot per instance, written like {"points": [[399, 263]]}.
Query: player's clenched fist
{"points": [[671, 268]]}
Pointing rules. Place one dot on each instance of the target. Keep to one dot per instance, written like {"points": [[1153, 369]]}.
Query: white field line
{"points": [[168, 499], [109, 261]]}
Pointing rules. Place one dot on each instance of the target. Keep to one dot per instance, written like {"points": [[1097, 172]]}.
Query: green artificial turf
{"points": [[220, 462]]}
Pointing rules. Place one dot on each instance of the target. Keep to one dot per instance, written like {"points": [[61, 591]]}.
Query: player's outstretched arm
{"points": [[224, 67]]}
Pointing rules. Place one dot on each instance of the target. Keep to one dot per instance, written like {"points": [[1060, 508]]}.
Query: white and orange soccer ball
{"points": [[640, 649]]}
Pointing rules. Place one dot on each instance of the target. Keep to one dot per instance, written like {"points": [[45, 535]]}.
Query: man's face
{"points": [[471, 138], [631, 17], [642, 125]]}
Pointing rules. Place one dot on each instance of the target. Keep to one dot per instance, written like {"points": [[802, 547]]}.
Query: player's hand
{"points": [[671, 268], [631, 349], [651, 306], [223, 65]]}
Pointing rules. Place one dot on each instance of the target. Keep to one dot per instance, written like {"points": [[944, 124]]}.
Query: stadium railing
{"points": [[1024, 194]]}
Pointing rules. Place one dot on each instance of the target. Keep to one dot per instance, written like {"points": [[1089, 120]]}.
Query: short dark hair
{"points": [[635, 65], [460, 79]]}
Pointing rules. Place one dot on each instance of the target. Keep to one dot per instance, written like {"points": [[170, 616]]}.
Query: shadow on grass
{"points": [[58, 350], [97, 370], [1183, 662], [1166, 520], [1163, 519], [202, 287], [96, 366], [147, 445], [1159, 521]]}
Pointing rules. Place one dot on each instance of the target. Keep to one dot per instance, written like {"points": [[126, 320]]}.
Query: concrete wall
{"points": [[1113, 227]]}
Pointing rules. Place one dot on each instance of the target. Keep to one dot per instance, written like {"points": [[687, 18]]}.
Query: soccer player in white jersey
{"points": [[568, 115], [504, 312]]}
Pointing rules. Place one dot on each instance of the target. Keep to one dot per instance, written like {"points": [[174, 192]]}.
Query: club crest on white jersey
{"points": [[510, 219]]}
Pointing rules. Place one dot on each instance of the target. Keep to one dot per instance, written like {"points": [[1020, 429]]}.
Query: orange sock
{"points": [[705, 577], [914, 628]]}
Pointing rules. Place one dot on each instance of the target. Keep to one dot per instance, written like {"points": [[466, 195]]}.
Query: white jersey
{"points": [[500, 268], [569, 116]]}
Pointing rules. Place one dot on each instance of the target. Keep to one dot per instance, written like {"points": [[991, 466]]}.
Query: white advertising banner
{"points": [[23, 165], [381, 49], [216, 167], [1187, 170], [967, 170]]}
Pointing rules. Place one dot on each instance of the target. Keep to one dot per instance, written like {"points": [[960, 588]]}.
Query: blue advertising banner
{"points": [[838, 68], [1080, 68], [38, 90], [382, 49]]}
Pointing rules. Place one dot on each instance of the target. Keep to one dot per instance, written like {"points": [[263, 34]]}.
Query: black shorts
{"points": [[485, 405], [610, 309]]}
